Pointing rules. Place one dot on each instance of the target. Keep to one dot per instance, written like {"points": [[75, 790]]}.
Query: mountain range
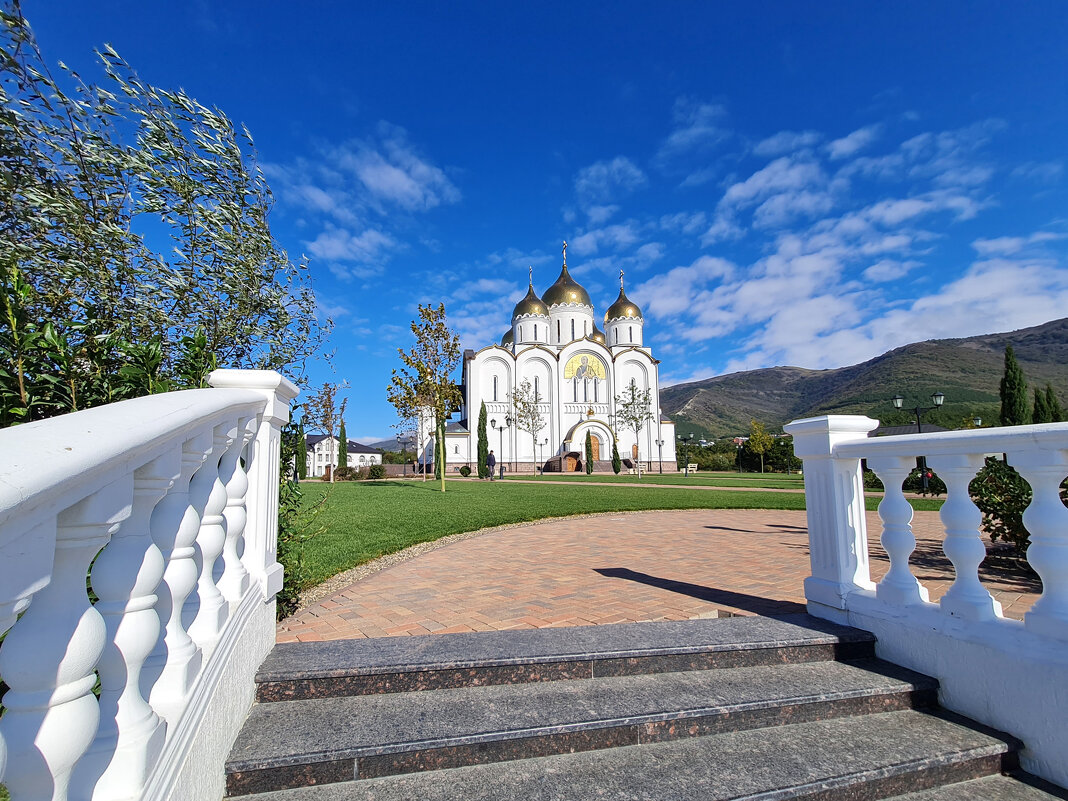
{"points": [[968, 371]]}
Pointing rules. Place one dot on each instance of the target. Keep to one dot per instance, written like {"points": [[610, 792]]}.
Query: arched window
{"points": [[595, 385], [495, 387], [557, 332], [520, 333], [630, 328], [615, 335], [586, 328], [535, 330], [572, 330], [536, 395]]}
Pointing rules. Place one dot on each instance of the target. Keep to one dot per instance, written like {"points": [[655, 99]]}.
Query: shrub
{"points": [[1002, 495], [872, 481], [359, 474], [343, 473], [465, 471], [914, 482], [376, 471]]}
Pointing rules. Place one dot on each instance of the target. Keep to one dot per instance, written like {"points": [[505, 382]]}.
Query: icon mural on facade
{"points": [[584, 365]]}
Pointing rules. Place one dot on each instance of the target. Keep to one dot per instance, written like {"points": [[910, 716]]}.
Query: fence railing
{"points": [[169, 504], [1003, 672]]}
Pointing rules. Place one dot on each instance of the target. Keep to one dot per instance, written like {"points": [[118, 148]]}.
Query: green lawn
{"points": [[365, 520], [749, 480]]}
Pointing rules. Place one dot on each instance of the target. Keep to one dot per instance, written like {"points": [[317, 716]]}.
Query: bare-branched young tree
{"points": [[524, 400], [322, 413], [633, 411]]}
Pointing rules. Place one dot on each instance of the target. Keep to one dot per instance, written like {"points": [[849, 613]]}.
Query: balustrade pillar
{"points": [[49, 656], [125, 577], [169, 671], [834, 498], [967, 597], [235, 579], [898, 586], [208, 487], [1046, 519]]}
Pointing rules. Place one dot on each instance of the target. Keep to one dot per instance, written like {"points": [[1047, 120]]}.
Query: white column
{"points": [[967, 597], [1046, 519], [49, 656], [898, 586], [834, 497], [170, 669], [124, 577]]}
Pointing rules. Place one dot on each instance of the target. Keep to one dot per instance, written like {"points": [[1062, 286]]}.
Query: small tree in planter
{"points": [[589, 454], [527, 415], [483, 443], [617, 463]]}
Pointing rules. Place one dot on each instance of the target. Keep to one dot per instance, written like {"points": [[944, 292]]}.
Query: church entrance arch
{"points": [[600, 438]]}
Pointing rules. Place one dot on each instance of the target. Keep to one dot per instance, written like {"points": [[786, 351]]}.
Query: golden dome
{"points": [[597, 335], [566, 290], [623, 306], [531, 304], [508, 339]]}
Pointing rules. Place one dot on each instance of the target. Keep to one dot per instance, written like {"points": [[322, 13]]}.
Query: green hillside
{"points": [[966, 370]]}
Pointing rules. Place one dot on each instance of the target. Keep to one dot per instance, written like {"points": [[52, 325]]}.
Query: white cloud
{"points": [[782, 174], [888, 270], [697, 128], [601, 214], [853, 143], [605, 181], [617, 237], [786, 142], [1046, 172], [1011, 245], [338, 244]]}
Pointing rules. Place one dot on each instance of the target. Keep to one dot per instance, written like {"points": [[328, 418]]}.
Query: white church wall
{"points": [[570, 324]]}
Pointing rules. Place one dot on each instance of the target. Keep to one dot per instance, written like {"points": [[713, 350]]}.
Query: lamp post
{"points": [[404, 443], [541, 455], [500, 430], [937, 399], [660, 453], [685, 440]]}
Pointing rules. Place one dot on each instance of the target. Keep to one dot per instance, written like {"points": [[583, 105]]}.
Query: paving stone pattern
{"points": [[675, 565]]}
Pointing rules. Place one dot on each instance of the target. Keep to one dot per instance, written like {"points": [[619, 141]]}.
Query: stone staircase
{"points": [[738, 708]]}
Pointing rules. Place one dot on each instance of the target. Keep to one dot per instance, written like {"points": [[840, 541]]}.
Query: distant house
{"points": [[322, 452]]}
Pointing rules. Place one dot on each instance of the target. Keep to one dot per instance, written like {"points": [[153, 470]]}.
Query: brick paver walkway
{"points": [[611, 569]]}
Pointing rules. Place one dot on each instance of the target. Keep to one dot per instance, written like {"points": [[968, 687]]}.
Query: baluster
{"points": [[898, 586], [211, 607], [967, 597], [1046, 518], [235, 579], [49, 656], [125, 577], [168, 673]]}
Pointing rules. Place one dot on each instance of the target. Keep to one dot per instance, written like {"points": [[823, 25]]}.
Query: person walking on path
{"points": [[491, 463]]}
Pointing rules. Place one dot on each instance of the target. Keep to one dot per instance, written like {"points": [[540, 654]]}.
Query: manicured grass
{"points": [[365, 520], [748, 480]]}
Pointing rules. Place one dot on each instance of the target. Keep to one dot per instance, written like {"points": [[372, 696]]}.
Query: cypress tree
{"points": [[589, 454], [1013, 392], [302, 453], [483, 443], [1056, 413], [343, 448], [617, 463], [1041, 412]]}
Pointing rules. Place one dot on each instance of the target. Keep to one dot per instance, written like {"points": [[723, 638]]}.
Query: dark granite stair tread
{"points": [[989, 788], [891, 753], [320, 730], [448, 651]]}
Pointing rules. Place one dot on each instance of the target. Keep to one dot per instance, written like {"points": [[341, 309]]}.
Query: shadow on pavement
{"points": [[738, 600]]}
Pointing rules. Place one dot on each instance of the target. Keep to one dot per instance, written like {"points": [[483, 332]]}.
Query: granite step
{"points": [[315, 741], [402, 664], [1015, 787], [857, 758]]}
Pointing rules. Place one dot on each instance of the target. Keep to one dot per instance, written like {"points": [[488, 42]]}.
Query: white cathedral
{"points": [[576, 371]]}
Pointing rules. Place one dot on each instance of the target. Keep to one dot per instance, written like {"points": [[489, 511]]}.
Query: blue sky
{"points": [[783, 183]]}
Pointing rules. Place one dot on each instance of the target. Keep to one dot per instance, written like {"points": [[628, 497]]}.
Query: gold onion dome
{"points": [[566, 290], [508, 339], [531, 304], [597, 335], [623, 306]]}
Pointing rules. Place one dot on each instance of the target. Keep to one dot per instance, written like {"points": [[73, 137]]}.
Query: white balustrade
{"points": [[208, 491], [1046, 518], [966, 597], [898, 585], [136, 490], [1007, 674]]}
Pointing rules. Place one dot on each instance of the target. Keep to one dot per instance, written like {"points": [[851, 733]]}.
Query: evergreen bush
{"points": [[376, 472]]}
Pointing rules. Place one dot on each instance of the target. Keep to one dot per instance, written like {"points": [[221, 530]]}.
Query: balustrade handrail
{"points": [[74, 454], [1043, 437]]}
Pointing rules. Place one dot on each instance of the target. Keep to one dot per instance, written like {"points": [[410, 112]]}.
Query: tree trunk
{"points": [[441, 452]]}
